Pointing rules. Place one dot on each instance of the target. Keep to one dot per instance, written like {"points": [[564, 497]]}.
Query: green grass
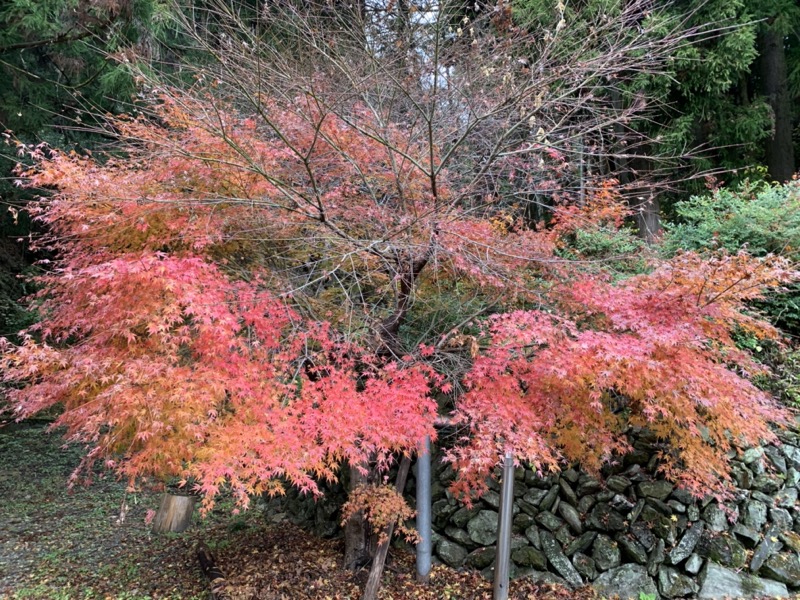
{"points": [[60, 544]]}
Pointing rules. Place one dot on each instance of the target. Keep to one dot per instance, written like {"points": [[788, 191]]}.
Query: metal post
{"points": [[424, 549], [504, 521]]}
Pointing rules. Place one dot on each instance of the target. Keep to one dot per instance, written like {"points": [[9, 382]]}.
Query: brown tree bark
{"points": [[376, 571], [212, 571], [356, 532], [648, 218], [360, 543], [646, 209], [779, 147]]}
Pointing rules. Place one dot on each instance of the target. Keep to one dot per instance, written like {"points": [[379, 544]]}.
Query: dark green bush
{"points": [[759, 218]]}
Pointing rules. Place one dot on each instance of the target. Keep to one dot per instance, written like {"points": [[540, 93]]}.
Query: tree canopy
{"points": [[300, 253]]}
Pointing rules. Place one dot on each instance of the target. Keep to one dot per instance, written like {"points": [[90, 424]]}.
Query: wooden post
{"points": [[378, 562], [174, 514]]}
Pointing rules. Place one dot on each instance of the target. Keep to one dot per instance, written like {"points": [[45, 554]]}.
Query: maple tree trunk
{"points": [[361, 544], [376, 572], [174, 514], [356, 532], [209, 567]]}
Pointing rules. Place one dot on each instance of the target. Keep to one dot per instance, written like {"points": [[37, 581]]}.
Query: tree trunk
{"points": [[376, 572], [648, 218], [360, 545], [779, 148], [356, 532], [646, 210], [620, 164], [215, 576], [174, 514]]}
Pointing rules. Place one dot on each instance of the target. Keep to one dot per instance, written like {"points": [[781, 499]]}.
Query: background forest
{"points": [[726, 108]]}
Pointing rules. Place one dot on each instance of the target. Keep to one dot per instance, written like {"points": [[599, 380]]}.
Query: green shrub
{"points": [[782, 379], [759, 218], [616, 251]]}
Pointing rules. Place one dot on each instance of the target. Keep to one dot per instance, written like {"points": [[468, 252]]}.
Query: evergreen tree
{"points": [[56, 57], [62, 64], [725, 105], [708, 99], [778, 27]]}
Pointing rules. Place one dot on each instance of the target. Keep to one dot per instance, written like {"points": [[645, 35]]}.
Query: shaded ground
{"points": [[60, 545], [284, 563]]}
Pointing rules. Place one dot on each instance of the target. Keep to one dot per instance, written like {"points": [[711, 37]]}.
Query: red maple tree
{"points": [[180, 347], [264, 288]]}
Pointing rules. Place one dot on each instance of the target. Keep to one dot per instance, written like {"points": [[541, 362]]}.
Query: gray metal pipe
{"points": [[504, 521], [424, 529]]}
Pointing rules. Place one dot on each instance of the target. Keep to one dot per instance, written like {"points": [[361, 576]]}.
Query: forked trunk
{"points": [[376, 571]]}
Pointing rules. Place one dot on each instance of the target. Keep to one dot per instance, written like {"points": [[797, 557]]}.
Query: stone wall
{"points": [[630, 532]]}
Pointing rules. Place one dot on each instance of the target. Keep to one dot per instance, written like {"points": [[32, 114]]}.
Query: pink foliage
{"points": [[180, 347]]}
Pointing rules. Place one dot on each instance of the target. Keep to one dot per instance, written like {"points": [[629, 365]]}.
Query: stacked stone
{"points": [[632, 533]]}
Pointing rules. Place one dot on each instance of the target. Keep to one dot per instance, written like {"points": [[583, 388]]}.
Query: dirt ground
{"points": [[92, 542]]}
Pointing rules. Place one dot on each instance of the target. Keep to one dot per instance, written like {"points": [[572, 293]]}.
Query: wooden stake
{"points": [[174, 514]]}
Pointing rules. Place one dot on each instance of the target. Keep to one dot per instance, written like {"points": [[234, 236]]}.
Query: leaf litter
{"points": [[94, 542]]}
